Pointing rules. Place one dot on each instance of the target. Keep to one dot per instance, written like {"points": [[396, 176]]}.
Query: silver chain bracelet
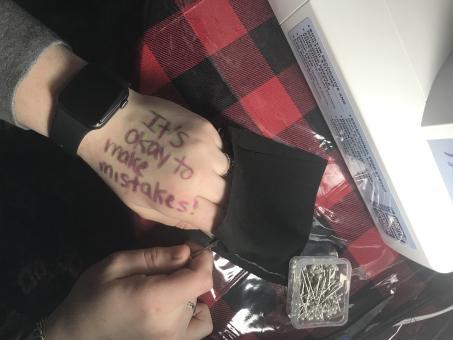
{"points": [[38, 330]]}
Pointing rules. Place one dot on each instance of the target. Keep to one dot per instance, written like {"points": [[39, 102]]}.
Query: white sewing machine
{"points": [[382, 74]]}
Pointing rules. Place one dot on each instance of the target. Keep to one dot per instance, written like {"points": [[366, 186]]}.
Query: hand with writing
{"points": [[162, 160], [140, 294]]}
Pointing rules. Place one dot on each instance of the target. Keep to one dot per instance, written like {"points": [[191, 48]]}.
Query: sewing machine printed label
{"points": [[442, 150], [342, 121]]}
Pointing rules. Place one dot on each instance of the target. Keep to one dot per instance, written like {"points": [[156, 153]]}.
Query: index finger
{"points": [[193, 281]]}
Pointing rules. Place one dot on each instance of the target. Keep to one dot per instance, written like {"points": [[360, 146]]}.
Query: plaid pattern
{"points": [[229, 58]]}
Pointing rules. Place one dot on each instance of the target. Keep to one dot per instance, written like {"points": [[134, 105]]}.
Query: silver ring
{"points": [[191, 305]]}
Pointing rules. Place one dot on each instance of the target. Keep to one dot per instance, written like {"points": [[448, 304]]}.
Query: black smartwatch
{"points": [[87, 102]]}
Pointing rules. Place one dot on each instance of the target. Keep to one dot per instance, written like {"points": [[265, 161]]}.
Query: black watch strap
{"points": [[67, 132], [86, 103]]}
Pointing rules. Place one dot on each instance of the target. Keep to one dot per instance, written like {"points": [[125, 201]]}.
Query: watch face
{"points": [[93, 96]]}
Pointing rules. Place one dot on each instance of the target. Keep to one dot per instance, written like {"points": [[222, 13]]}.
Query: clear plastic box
{"points": [[318, 291]]}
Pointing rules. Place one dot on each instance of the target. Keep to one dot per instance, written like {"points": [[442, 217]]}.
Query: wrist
{"points": [[37, 93]]}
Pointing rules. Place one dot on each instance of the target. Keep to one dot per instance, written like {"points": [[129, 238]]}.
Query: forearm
{"points": [[37, 93], [23, 40]]}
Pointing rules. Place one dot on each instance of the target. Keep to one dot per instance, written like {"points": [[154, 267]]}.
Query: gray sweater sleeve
{"points": [[22, 40]]}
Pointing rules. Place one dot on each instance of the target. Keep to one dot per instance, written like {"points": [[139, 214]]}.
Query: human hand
{"points": [[162, 160], [139, 294]]}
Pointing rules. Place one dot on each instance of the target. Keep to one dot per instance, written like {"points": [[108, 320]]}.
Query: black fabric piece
{"points": [[271, 202]]}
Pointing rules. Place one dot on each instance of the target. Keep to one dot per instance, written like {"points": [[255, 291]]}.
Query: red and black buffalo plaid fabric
{"points": [[230, 59]]}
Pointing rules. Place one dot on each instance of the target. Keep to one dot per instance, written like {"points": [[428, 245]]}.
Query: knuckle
{"points": [[152, 257]]}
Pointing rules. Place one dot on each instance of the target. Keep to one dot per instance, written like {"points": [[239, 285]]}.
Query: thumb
{"points": [[152, 261]]}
